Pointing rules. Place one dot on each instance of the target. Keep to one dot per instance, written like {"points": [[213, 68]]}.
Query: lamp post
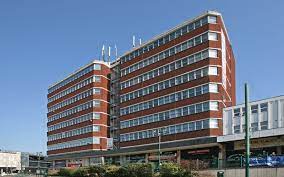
{"points": [[159, 147], [159, 134], [38, 163], [247, 124]]}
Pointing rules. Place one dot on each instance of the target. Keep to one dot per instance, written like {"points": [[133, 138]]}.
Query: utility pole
{"points": [[159, 149], [247, 124]]}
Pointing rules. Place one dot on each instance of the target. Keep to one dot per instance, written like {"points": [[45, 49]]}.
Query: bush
{"points": [[64, 172], [80, 173], [140, 170], [130, 170], [173, 170], [96, 171], [111, 171]]}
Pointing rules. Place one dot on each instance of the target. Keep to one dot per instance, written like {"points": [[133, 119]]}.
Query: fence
{"points": [[237, 162]]}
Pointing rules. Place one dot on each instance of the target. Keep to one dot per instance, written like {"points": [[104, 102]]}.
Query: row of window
{"points": [[74, 77], [172, 129], [174, 97], [75, 132], [170, 114], [74, 121], [254, 109], [212, 53], [168, 68], [74, 143], [170, 83], [177, 33], [254, 127], [169, 52], [84, 106], [74, 88], [74, 99]]}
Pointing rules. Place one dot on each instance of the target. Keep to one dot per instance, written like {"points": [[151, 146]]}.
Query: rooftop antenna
{"points": [[103, 53], [109, 53], [133, 41], [115, 48], [140, 41]]}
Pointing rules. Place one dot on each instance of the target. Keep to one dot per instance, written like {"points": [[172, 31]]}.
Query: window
{"points": [[172, 129], [206, 124], [198, 125], [237, 112], [254, 109], [213, 71], [237, 129], [205, 106], [212, 19], [97, 115], [213, 123], [198, 91], [197, 24], [97, 67], [263, 107], [198, 108], [97, 78], [97, 91], [213, 53], [264, 125], [254, 126], [212, 36], [197, 40], [97, 103], [178, 128], [185, 127], [214, 105], [213, 88]]}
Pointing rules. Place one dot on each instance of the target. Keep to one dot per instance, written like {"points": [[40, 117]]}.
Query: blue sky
{"points": [[43, 41]]}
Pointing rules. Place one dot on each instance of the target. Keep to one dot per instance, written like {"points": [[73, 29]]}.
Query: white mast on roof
{"points": [[109, 48], [103, 53], [115, 51], [133, 41]]}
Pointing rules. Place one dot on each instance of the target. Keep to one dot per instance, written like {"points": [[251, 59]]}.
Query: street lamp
{"points": [[38, 163], [159, 148]]}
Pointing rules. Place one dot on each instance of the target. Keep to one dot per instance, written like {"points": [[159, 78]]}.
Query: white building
{"points": [[266, 125], [10, 161]]}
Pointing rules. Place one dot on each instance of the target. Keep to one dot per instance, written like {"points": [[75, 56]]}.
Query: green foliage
{"points": [[80, 173], [173, 170], [140, 170], [96, 171], [64, 172], [117, 172], [130, 170]]}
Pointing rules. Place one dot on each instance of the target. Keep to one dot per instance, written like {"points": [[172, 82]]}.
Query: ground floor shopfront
{"points": [[203, 149], [273, 145], [198, 154]]}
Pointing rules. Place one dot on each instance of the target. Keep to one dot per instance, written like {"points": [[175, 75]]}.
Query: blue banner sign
{"points": [[267, 161]]}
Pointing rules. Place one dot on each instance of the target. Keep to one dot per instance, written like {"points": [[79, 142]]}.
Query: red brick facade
{"points": [[103, 110]]}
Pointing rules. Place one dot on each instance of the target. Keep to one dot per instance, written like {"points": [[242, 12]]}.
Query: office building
{"points": [[168, 92], [15, 162], [266, 127], [78, 111]]}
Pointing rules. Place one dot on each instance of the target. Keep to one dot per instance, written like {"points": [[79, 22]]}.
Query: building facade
{"points": [[14, 162], [78, 111], [168, 92], [266, 125]]}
